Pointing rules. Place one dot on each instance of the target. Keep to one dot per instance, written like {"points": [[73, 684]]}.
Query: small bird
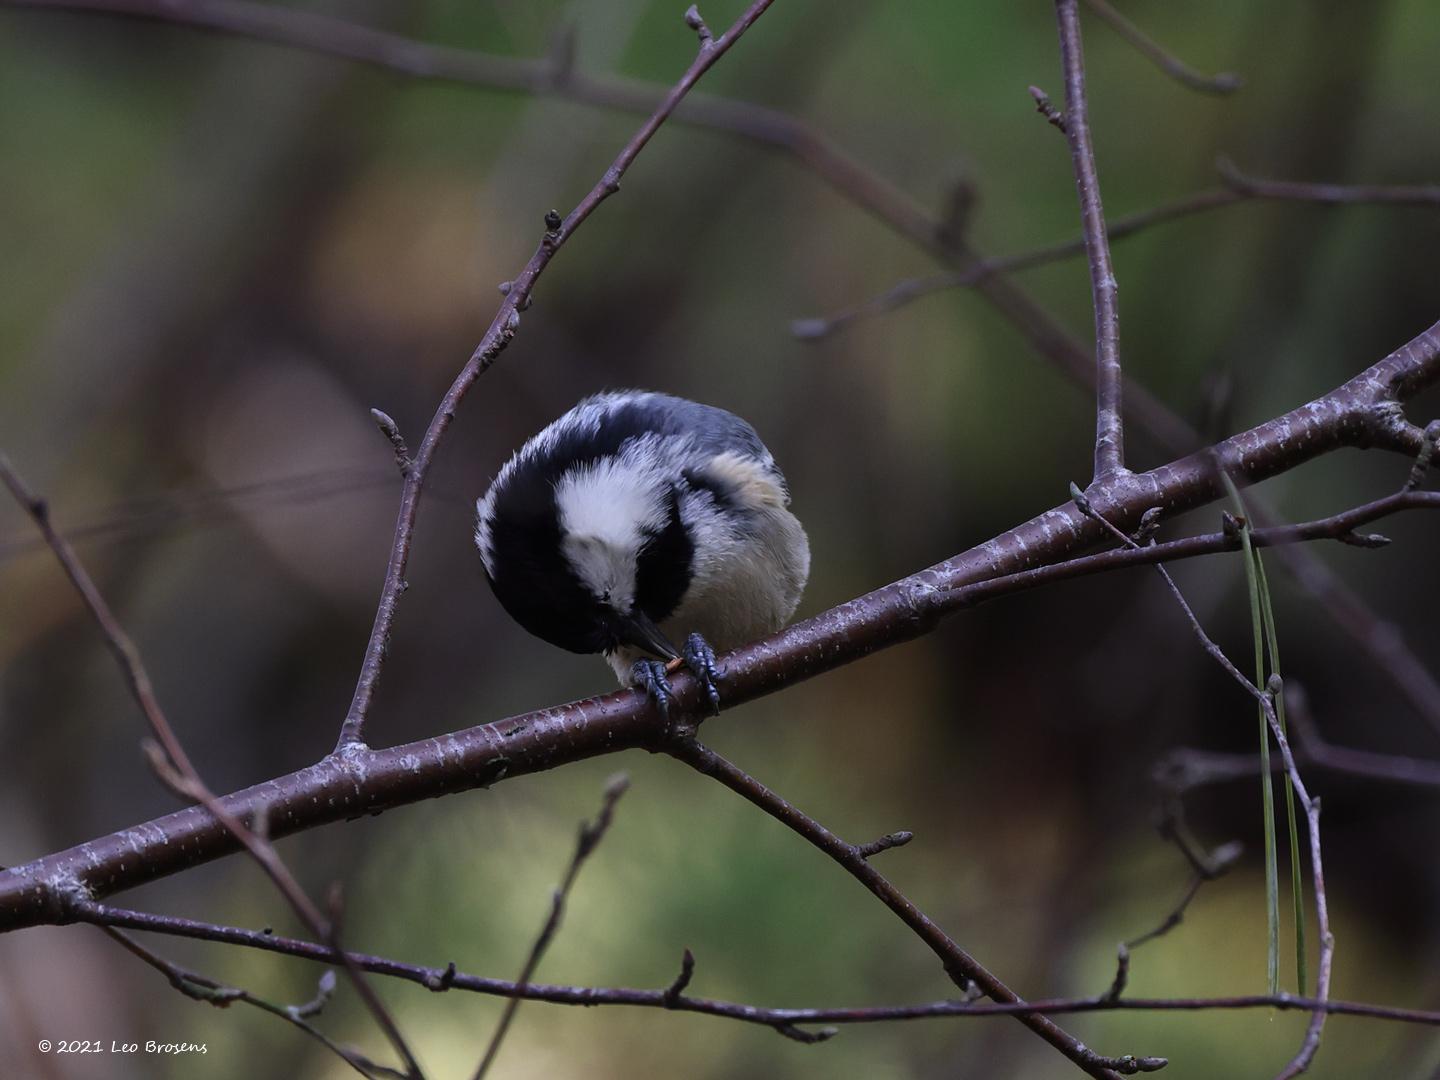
{"points": [[639, 518]]}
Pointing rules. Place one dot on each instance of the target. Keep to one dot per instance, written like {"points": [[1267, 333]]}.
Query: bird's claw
{"points": [[650, 674], [700, 659], [653, 676]]}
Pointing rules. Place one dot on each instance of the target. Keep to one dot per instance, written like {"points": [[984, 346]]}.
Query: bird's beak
{"points": [[639, 630]]}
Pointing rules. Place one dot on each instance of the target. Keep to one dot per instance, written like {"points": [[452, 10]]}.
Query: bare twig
{"points": [[884, 843], [1173, 919], [1301, 1061], [333, 790], [1104, 290], [1336, 527], [674, 991], [119, 643], [696, 23], [134, 517], [964, 970], [591, 833], [173, 766], [1313, 749], [502, 329], [1206, 865], [589, 996], [977, 271], [1422, 195], [958, 208], [1046, 108], [1122, 974], [810, 148], [1238, 189], [391, 431], [1185, 768], [203, 988], [1223, 83], [1311, 1043]]}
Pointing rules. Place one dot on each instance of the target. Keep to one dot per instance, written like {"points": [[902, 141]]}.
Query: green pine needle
{"points": [[1297, 884], [1263, 631]]}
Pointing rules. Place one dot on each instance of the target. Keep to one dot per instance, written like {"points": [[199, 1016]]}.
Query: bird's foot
{"points": [[653, 675], [700, 659], [650, 675]]}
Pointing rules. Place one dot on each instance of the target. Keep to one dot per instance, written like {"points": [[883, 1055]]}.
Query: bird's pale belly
{"points": [[747, 597]]}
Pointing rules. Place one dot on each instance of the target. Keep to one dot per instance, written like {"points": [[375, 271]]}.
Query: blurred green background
{"points": [[219, 254]]}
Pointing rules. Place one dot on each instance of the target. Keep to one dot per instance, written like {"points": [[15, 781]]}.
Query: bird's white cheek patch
{"points": [[606, 511], [608, 572]]}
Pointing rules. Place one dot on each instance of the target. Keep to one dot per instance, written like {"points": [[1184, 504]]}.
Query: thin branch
{"points": [[964, 970], [591, 833], [391, 431], [1206, 863], [1104, 290], [592, 996], [884, 843], [174, 767], [1225, 82], [1238, 189], [676, 989], [1337, 527], [1421, 195], [1301, 1061], [1313, 749], [1378, 637], [135, 517], [696, 23], [771, 128], [1185, 768], [1266, 698], [137, 679], [907, 290], [203, 988], [503, 327], [1173, 919], [338, 788], [1046, 108], [1207, 866]]}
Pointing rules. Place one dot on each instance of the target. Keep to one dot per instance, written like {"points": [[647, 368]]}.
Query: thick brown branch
{"points": [[1359, 413], [852, 181]]}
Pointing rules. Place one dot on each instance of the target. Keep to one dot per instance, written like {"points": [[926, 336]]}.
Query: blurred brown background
{"points": [[218, 255]]}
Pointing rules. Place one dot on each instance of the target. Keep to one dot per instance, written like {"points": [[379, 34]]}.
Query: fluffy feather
{"points": [[641, 503]]}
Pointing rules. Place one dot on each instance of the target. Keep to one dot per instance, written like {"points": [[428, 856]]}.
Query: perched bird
{"points": [[638, 519]]}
